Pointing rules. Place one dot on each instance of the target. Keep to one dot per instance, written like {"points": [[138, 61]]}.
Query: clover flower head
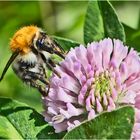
{"points": [[101, 77]]}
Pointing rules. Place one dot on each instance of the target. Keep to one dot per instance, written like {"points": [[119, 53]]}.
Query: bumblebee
{"points": [[31, 54]]}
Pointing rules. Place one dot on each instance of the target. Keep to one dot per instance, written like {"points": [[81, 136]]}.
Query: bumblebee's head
{"points": [[31, 38]]}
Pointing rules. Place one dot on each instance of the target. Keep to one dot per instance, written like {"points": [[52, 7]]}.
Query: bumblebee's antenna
{"points": [[12, 58]]}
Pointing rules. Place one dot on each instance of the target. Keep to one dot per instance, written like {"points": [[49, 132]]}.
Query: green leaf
{"points": [[18, 121], [101, 21], [112, 25], [66, 44], [132, 37], [117, 124], [93, 27]]}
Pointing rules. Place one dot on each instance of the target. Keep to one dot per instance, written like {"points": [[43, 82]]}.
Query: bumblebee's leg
{"points": [[58, 49], [44, 72], [59, 54], [37, 76], [40, 88], [31, 78], [51, 67], [51, 62]]}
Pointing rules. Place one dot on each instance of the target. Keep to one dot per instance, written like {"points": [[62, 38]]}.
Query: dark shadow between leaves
{"points": [[6, 112], [49, 133]]}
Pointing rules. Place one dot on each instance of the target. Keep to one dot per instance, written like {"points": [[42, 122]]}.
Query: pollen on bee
{"points": [[22, 39]]}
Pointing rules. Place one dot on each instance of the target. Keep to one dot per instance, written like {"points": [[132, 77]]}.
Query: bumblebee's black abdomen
{"points": [[26, 65]]}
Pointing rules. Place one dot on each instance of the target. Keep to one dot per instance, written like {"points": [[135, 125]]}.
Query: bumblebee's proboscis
{"points": [[31, 50]]}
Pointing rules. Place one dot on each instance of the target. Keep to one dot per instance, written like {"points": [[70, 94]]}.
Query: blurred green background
{"points": [[61, 18]]}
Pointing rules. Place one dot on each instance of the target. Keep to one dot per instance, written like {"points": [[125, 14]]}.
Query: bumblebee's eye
{"points": [[39, 43], [41, 40]]}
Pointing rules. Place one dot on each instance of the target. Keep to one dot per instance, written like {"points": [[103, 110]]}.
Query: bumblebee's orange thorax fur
{"points": [[23, 38]]}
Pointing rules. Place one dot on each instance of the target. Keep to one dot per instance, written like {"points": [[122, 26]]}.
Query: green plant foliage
{"points": [[132, 37], [101, 21], [19, 121], [66, 44], [93, 28], [112, 26], [117, 124]]}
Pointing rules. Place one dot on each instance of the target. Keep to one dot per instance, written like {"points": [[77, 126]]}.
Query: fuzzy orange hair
{"points": [[22, 39]]}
